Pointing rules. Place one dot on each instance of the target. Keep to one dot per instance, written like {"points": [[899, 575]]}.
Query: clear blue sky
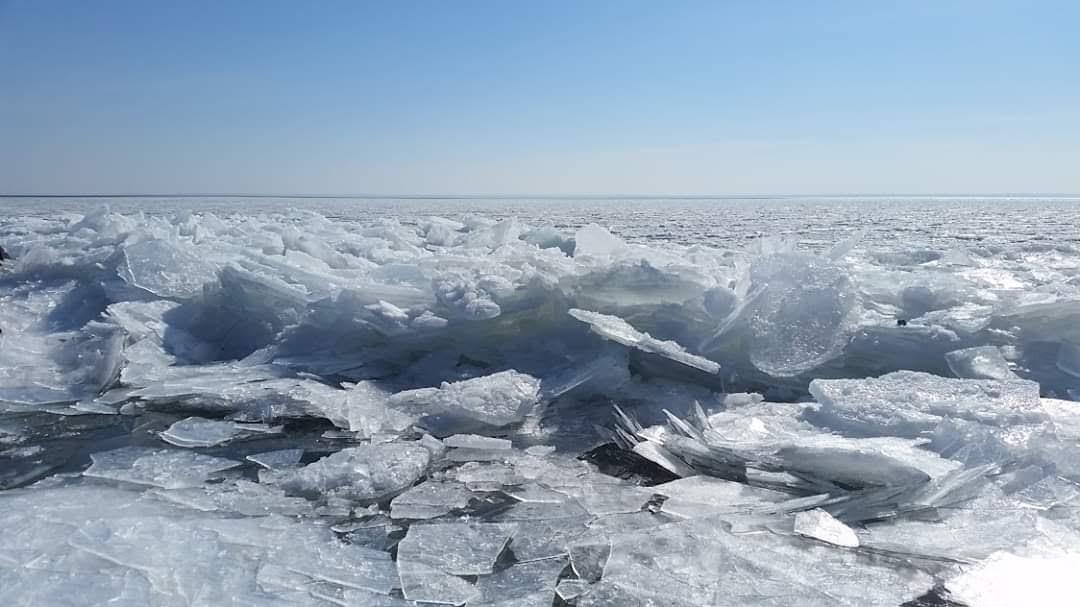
{"points": [[552, 97]]}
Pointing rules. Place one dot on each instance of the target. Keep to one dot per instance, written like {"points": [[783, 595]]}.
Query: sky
{"points": [[586, 97]]}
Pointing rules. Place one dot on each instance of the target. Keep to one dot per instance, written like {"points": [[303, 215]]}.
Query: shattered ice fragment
{"points": [[803, 316], [908, 403], [426, 584], [589, 557], [241, 496], [571, 589], [701, 562], [820, 525], [604, 594], [166, 269], [276, 460], [364, 472], [982, 362], [533, 492], [498, 399], [620, 331], [485, 477], [540, 450], [700, 495], [595, 241], [200, 432], [166, 468], [455, 548], [431, 556], [524, 584], [433, 445], [427, 321], [539, 540], [430, 499], [348, 565], [600, 499], [473, 441], [350, 597], [863, 462], [663, 458]]}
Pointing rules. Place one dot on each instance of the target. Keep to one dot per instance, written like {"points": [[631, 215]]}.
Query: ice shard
{"points": [[365, 472], [980, 362], [167, 468], [497, 399], [804, 316], [907, 403], [620, 331]]}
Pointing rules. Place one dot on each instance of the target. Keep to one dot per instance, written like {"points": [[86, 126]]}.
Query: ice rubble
{"points": [[306, 411]]}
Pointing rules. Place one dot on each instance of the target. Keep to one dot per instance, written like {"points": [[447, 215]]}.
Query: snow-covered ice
{"points": [[537, 403]]}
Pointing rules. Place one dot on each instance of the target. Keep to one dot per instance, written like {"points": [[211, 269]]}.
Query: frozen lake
{"points": [[789, 401]]}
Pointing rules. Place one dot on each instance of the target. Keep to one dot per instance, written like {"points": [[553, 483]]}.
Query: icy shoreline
{"points": [[290, 409]]}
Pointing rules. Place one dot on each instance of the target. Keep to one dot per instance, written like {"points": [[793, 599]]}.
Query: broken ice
{"points": [[277, 406]]}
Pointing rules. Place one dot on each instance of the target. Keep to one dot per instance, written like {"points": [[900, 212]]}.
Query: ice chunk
{"points": [[907, 403], [276, 460], [347, 597], [701, 562], [588, 557], [242, 497], [969, 531], [524, 584], [696, 496], [606, 593], [600, 498], [430, 499], [663, 458], [431, 556], [485, 477], [881, 461], [820, 525], [467, 297], [473, 441], [455, 548], [167, 468], [347, 565], [426, 584], [982, 362], [595, 241], [166, 269], [620, 331], [537, 493], [804, 314], [365, 472], [199, 432], [497, 399], [540, 540], [571, 589]]}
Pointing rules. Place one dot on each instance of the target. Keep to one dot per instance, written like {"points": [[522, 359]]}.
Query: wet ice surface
{"points": [[290, 402]]}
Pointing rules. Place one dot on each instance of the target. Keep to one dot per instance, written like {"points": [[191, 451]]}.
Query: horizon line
{"points": [[728, 196]]}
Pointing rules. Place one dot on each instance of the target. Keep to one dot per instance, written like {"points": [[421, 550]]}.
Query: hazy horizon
{"points": [[514, 196]]}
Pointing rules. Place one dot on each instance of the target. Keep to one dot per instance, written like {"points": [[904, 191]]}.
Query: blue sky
{"points": [[545, 97]]}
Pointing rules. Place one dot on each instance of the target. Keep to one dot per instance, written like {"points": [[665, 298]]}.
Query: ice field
{"points": [[783, 402]]}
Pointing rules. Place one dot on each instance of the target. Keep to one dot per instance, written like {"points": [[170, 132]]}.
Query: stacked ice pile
{"points": [[287, 409]]}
